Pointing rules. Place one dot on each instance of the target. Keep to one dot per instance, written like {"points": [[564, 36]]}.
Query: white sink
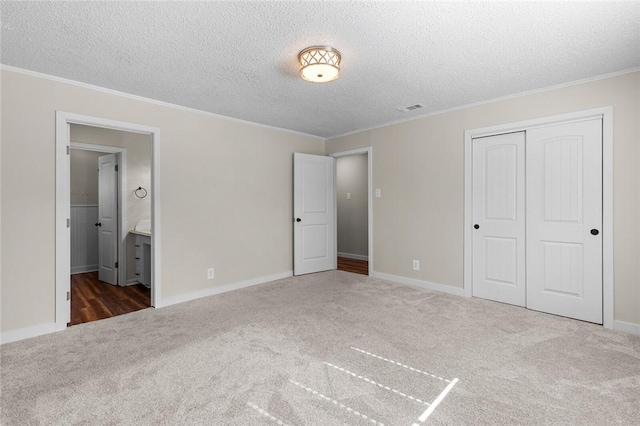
{"points": [[143, 226]]}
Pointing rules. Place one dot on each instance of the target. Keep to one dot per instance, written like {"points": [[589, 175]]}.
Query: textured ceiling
{"points": [[238, 59]]}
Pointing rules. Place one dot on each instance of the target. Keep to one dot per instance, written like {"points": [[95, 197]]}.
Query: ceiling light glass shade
{"points": [[319, 64]]}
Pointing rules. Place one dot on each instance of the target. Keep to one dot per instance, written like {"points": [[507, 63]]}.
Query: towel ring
{"points": [[142, 191]]}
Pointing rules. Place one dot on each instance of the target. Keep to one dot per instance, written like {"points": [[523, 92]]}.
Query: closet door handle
{"points": [[476, 226], [98, 224], [594, 231], [298, 220]]}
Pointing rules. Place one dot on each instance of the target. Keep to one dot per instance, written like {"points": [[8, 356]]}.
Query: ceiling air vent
{"points": [[410, 108]]}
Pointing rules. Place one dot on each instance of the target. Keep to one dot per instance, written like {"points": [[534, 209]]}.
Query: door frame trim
{"points": [[604, 113], [122, 201], [369, 151], [63, 206]]}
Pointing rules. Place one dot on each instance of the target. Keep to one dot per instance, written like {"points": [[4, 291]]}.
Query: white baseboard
{"points": [[41, 329], [132, 281], [353, 256], [25, 333], [221, 289], [83, 269], [627, 327], [456, 291]]}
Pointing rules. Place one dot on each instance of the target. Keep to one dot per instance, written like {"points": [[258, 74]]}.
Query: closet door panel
{"points": [[499, 222], [564, 220]]}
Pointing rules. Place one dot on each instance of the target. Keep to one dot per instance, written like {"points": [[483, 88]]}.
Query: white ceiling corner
{"points": [[239, 59]]}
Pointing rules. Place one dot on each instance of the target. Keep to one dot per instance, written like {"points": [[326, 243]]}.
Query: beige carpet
{"points": [[325, 349]]}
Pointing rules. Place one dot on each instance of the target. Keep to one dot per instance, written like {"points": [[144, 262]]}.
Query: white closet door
{"points": [[564, 220], [499, 222]]}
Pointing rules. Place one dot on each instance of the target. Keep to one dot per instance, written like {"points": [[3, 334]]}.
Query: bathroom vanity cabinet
{"points": [[143, 257]]}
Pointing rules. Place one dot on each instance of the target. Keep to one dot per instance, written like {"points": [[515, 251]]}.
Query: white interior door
{"points": [[314, 231], [107, 218], [499, 218], [564, 220]]}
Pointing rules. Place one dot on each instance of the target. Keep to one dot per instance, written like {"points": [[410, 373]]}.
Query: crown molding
{"points": [[149, 100], [493, 100]]}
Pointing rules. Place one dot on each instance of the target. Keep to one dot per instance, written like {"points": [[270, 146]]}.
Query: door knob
{"points": [[594, 231], [298, 220], [98, 224], [476, 226]]}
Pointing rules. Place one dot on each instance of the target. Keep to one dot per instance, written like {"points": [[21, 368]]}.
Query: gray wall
{"points": [[84, 210], [84, 177], [225, 190], [419, 166], [353, 218]]}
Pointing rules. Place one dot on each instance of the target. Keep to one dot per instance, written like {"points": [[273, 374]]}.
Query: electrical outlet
{"points": [[348, 195], [416, 265], [211, 273], [378, 193]]}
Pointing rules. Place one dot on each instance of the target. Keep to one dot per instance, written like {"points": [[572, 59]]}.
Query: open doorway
{"points": [[353, 208], [110, 210], [64, 122]]}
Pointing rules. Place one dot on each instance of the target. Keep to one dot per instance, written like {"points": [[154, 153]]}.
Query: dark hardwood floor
{"points": [[92, 299], [353, 265]]}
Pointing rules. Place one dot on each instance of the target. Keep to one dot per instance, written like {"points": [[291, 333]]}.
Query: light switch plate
{"points": [[348, 195], [378, 194]]}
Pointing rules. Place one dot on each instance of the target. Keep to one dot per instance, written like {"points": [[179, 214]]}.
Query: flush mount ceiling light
{"points": [[319, 64]]}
